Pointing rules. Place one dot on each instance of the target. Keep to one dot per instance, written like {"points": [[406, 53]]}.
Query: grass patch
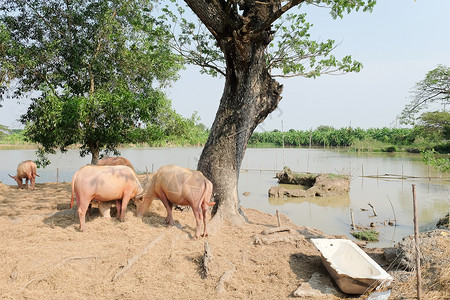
{"points": [[369, 145], [263, 145], [338, 176], [366, 235]]}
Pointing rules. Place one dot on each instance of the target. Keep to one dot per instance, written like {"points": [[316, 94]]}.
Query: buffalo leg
{"points": [[88, 211], [123, 206], [205, 231], [119, 209], [168, 205], [82, 208], [198, 220]]}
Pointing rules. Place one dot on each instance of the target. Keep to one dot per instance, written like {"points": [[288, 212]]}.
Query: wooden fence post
{"points": [[416, 239]]}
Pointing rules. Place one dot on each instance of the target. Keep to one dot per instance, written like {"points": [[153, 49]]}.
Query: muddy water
{"points": [[391, 197]]}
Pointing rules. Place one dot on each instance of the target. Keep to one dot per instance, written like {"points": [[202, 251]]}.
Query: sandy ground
{"points": [[44, 256]]}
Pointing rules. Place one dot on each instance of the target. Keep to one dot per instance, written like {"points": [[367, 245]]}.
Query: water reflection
{"points": [[330, 201]]}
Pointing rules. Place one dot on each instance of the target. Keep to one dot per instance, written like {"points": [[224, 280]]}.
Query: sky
{"points": [[398, 43]]}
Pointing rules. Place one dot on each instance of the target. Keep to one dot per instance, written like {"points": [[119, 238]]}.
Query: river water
{"points": [[391, 197]]}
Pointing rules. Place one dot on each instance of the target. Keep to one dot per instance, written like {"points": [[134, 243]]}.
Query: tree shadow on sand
{"points": [[66, 217], [304, 265], [62, 218], [154, 219]]}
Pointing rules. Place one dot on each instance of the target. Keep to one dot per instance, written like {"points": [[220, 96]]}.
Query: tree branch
{"points": [[213, 14], [275, 16], [43, 19]]}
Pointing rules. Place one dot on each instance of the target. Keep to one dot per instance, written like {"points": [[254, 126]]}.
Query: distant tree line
{"points": [[187, 133], [423, 136], [329, 136], [418, 138]]}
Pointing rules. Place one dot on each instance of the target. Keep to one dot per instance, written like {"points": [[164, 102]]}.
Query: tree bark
{"points": [[250, 94], [95, 151]]}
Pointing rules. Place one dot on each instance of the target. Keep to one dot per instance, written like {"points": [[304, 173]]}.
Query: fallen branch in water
{"points": [[57, 266], [393, 211], [136, 257], [353, 220], [373, 209]]}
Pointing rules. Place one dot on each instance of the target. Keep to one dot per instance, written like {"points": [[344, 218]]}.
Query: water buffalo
{"points": [[27, 170], [115, 161], [104, 183], [175, 185]]}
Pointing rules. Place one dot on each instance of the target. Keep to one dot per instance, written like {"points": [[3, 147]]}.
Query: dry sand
{"points": [[44, 256]]}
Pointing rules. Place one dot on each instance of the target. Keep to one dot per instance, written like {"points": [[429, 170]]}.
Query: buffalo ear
{"points": [[138, 199]]}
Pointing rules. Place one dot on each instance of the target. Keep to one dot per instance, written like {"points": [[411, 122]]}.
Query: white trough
{"points": [[351, 268]]}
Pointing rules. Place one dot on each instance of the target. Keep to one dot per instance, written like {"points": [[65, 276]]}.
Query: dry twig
{"points": [[136, 257], [275, 230], [57, 266]]}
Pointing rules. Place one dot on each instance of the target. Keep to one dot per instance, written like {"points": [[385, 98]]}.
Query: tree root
{"points": [[57, 266], [226, 276], [264, 238], [207, 258], [276, 229], [135, 258], [261, 240]]}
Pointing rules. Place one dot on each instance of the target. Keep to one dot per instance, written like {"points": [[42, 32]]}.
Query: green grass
{"points": [[263, 145], [338, 176], [366, 235], [369, 145]]}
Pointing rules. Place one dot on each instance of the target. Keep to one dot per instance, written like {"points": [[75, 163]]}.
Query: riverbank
{"points": [[23, 146], [44, 256]]}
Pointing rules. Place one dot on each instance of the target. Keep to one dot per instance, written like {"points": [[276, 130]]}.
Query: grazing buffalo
{"points": [[27, 170], [115, 161], [104, 183], [175, 185]]}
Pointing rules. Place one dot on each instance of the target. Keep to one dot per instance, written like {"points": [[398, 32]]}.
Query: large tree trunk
{"points": [[95, 151], [250, 94]]}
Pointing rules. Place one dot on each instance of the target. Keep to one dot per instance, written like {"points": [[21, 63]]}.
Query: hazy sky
{"points": [[398, 43]]}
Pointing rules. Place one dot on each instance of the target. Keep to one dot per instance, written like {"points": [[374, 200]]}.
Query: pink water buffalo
{"points": [[175, 185], [115, 161], [27, 170], [104, 183]]}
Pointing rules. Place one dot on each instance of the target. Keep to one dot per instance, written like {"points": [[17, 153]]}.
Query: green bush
{"points": [[430, 157], [391, 149]]}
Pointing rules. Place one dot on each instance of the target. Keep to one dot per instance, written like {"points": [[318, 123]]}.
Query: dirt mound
{"points": [[309, 185], [44, 256]]}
